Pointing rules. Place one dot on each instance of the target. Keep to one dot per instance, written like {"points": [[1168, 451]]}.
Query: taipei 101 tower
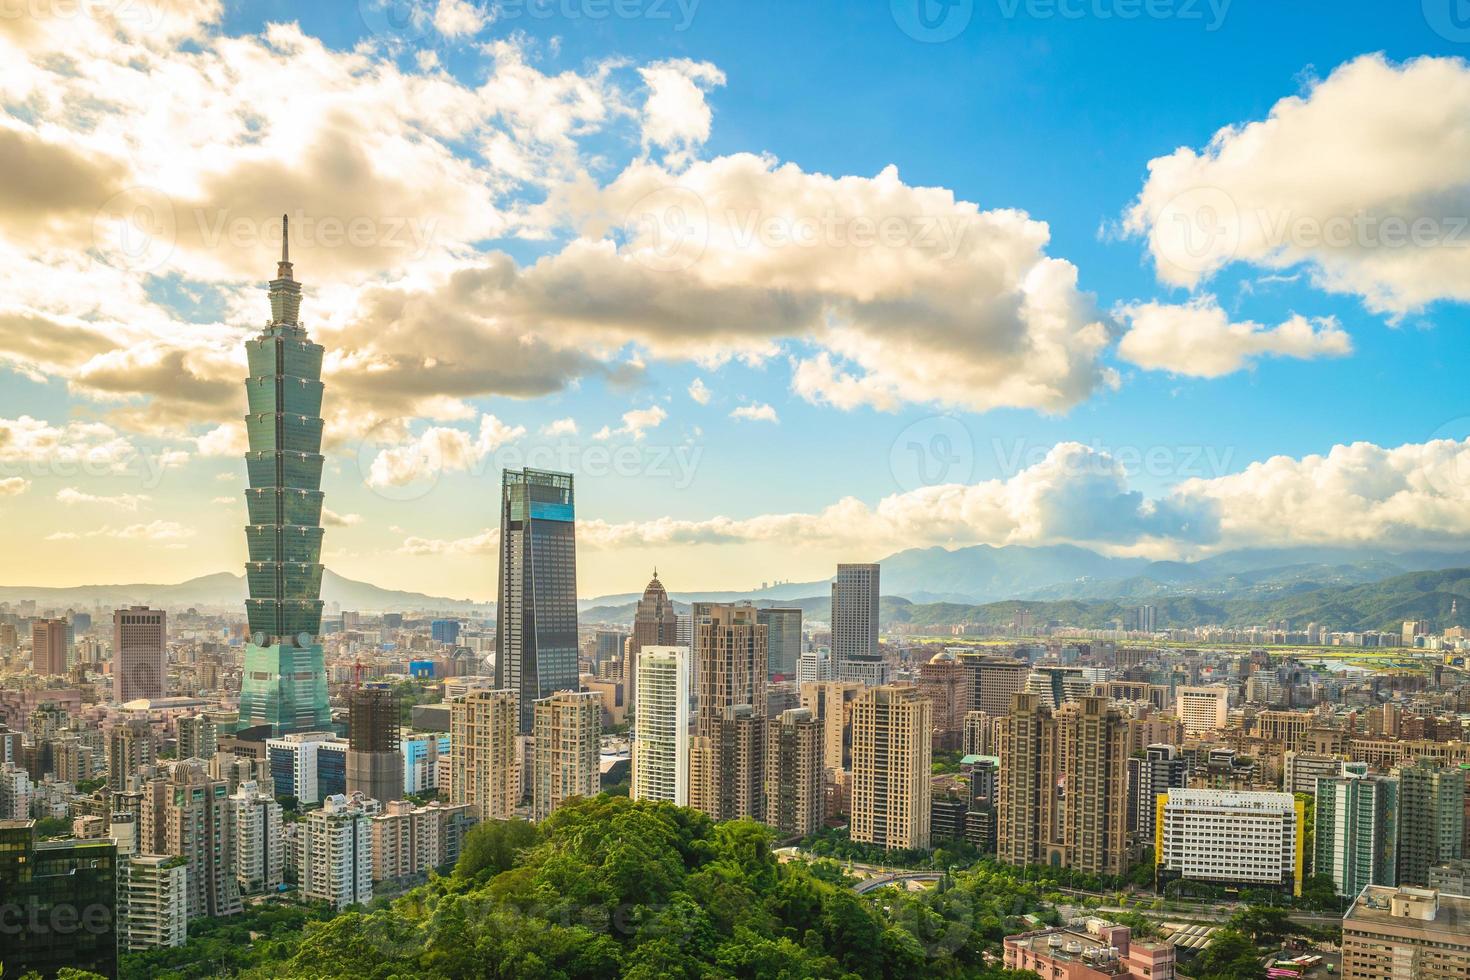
{"points": [[284, 684]]}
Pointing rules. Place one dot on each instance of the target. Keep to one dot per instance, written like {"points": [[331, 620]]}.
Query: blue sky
{"points": [[1054, 110]]}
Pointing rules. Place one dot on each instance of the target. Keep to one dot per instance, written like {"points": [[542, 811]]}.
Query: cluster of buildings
{"points": [[199, 764]]}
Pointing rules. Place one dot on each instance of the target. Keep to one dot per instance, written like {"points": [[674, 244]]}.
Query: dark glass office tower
{"points": [[59, 900], [285, 681], [536, 643]]}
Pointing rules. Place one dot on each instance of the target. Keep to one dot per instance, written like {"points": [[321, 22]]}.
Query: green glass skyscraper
{"points": [[285, 682]]}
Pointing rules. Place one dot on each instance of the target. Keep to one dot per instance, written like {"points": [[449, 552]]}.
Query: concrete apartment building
{"points": [[1098, 950], [1406, 934], [567, 749], [1203, 709], [1230, 839], [794, 796], [661, 726], [891, 753], [1026, 798], [484, 761]]}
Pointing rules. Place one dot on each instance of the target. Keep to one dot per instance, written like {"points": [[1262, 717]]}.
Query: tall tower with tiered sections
{"points": [[284, 683]]}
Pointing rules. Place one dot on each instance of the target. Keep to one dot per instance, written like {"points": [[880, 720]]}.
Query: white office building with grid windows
{"points": [[1230, 839]]}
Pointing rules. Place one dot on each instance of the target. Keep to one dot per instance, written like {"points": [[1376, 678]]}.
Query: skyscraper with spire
{"points": [[284, 683]]}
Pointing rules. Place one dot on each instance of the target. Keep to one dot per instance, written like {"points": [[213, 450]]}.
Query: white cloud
{"points": [[1411, 496], [162, 532], [909, 294], [486, 542], [760, 412], [459, 18], [88, 447], [560, 427], [1076, 494], [14, 486], [1198, 338], [699, 392], [439, 449], [1364, 179], [224, 501], [390, 176], [635, 423], [125, 501], [676, 117], [224, 440], [330, 518]]}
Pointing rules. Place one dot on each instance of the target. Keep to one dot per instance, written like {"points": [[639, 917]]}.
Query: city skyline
{"points": [[1108, 383]]}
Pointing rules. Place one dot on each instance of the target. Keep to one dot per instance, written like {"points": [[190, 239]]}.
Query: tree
{"points": [[493, 846], [1263, 923], [1230, 956]]}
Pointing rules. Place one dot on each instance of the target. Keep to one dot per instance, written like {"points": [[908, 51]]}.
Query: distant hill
{"points": [[985, 574], [226, 589], [1381, 605]]}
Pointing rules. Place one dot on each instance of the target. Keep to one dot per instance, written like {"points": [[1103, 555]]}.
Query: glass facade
{"points": [[536, 643], [58, 903], [285, 683]]}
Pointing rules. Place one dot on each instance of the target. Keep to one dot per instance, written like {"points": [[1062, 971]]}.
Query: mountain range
{"points": [[981, 582], [984, 573], [224, 589], [1441, 597]]}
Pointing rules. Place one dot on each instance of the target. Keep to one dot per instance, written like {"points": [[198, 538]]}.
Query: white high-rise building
{"points": [[855, 625], [1203, 709], [813, 667], [299, 754], [259, 856], [153, 901], [334, 858], [661, 725], [1224, 837], [15, 792]]}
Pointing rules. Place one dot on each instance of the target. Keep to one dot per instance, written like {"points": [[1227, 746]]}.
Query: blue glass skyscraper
{"points": [[536, 643]]}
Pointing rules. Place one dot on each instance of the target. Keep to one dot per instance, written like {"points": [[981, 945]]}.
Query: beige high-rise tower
{"points": [[727, 756], [139, 653], [1026, 799], [188, 813], [484, 770], [1092, 770], [794, 799], [891, 758], [48, 646], [567, 750]]}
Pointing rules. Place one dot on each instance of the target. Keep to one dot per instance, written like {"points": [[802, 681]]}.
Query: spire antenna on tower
{"points": [[285, 239]]}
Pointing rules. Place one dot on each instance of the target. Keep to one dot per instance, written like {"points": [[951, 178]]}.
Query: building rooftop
{"points": [[1409, 908], [1069, 944]]}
